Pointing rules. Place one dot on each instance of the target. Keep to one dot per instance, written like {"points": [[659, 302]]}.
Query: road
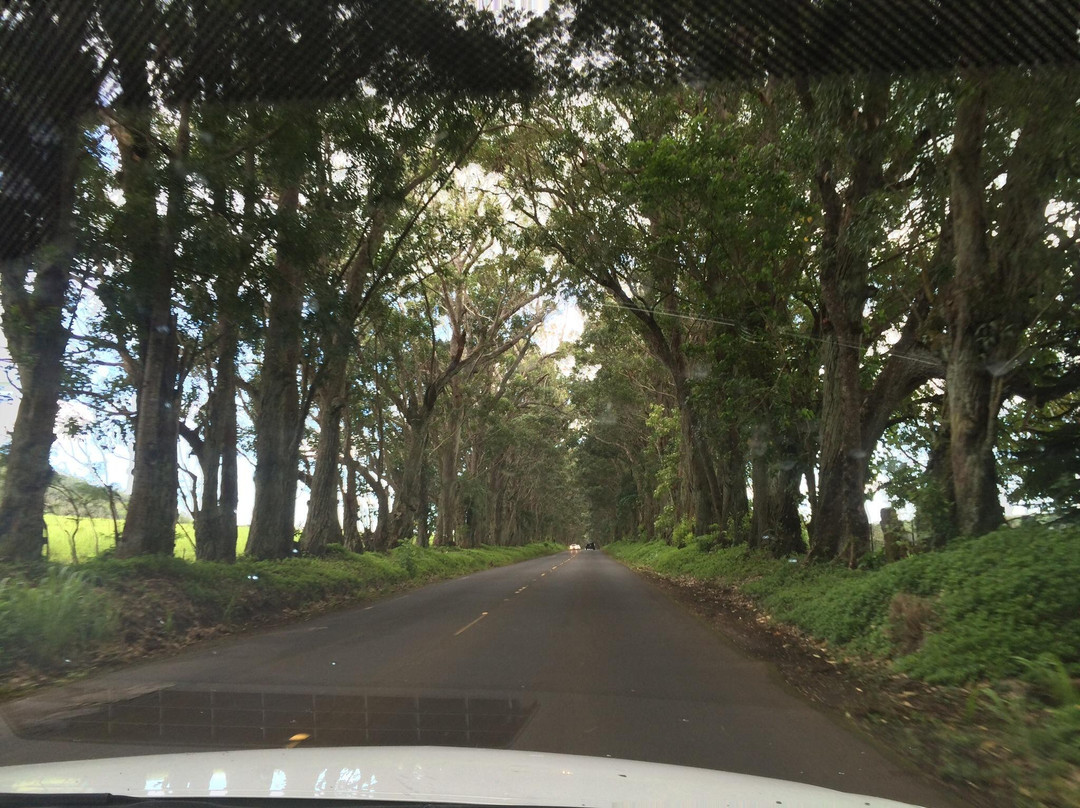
{"points": [[569, 653]]}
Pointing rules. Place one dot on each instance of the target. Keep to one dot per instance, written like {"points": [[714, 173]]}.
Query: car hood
{"points": [[436, 774]]}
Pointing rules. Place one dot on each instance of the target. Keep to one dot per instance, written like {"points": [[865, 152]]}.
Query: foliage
{"points": [[53, 620]]}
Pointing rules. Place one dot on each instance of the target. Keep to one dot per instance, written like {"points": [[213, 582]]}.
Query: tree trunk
{"points": [[322, 526], [992, 291], [28, 473], [34, 328], [448, 514], [764, 509], [969, 387], [840, 523], [403, 518], [351, 499], [973, 406], [41, 152], [775, 523], [731, 477], [423, 515], [150, 526], [277, 414], [935, 511], [215, 521], [229, 498], [380, 537], [704, 487]]}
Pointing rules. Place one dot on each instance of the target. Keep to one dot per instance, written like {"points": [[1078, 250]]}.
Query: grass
{"points": [[94, 536], [994, 619], [56, 617], [48, 622]]}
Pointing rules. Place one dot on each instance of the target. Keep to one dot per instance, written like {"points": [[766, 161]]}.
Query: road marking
{"points": [[368, 608], [542, 574], [470, 625], [522, 589]]}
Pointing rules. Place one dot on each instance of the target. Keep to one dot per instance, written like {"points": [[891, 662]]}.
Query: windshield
{"points": [[685, 383]]}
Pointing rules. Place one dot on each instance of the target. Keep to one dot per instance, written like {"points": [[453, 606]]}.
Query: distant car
{"points": [[590, 545], [574, 548]]}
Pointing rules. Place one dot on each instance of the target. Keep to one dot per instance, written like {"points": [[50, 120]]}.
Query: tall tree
{"points": [[42, 120], [149, 164], [1003, 279]]}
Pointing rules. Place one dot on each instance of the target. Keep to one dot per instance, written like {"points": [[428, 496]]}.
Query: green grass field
{"points": [[94, 536]]}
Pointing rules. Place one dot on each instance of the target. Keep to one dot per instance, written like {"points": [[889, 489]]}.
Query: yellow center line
{"points": [[470, 625]]}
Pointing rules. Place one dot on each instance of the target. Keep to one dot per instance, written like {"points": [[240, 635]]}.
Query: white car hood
{"points": [[417, 773]]}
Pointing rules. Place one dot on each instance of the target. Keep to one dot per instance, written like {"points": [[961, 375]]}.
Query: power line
{"points": [[744, 331]]}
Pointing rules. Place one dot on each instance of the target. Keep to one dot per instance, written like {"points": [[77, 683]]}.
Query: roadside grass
{"points": [[92, 537], [57, 618], [993, 621]]}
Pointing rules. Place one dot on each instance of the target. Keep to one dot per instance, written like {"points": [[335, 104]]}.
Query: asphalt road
{"points": [[571, 654]]}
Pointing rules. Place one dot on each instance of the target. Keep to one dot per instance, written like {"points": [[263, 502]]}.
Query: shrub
{"points": [[1050, 680], [52, 621]]}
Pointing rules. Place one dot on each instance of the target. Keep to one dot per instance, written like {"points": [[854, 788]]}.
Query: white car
{"points": [[402, 774], [574, 548]]}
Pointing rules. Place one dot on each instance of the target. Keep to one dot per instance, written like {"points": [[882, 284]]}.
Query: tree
{"points": [[1003, 279], [627, 450], [477, 301], [224, 244], [38, 235], [411, 152]]}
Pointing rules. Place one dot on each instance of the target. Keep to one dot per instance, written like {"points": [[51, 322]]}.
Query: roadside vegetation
{"points": [[992, 623], [57, 619]]}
